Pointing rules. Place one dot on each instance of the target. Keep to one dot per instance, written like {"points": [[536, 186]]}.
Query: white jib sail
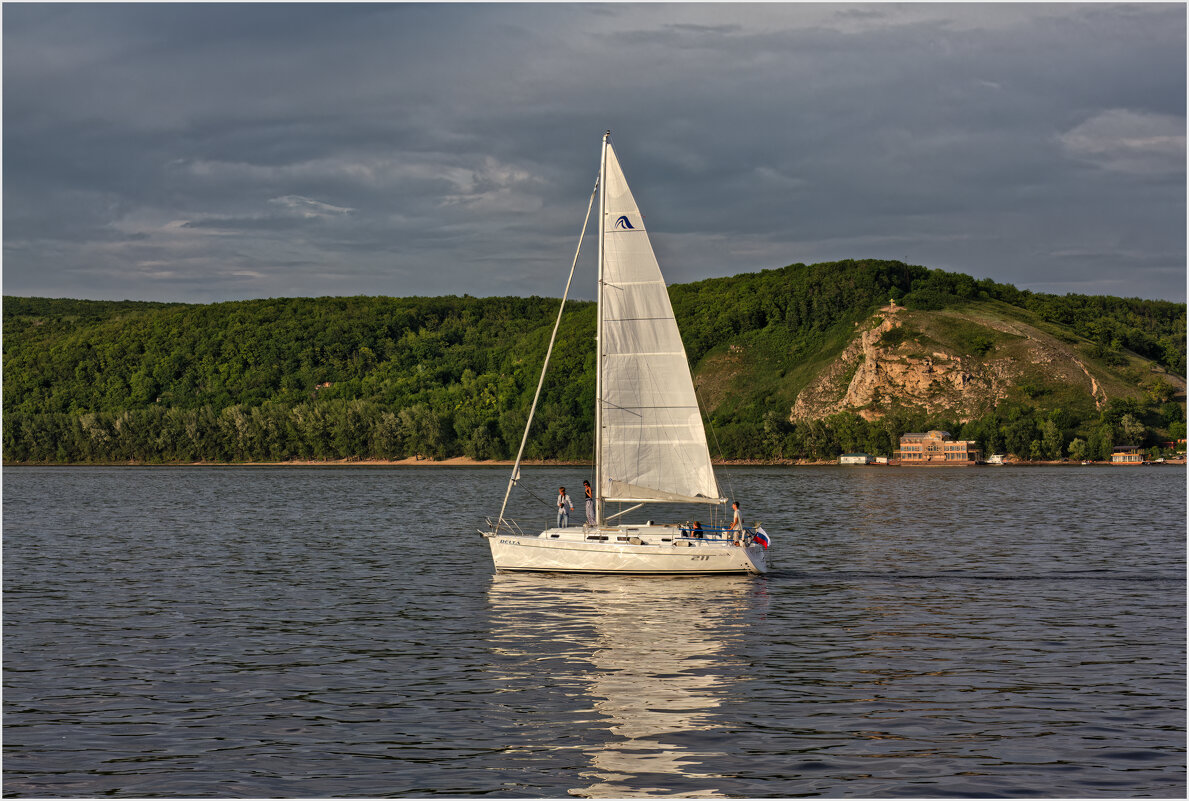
{"points": [[653, 444]]}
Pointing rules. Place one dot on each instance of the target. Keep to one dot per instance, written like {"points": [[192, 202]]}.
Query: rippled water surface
{"points": [[314, 632]]}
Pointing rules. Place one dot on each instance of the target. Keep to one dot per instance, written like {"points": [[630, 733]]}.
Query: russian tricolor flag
{"points": [[762, 537]]}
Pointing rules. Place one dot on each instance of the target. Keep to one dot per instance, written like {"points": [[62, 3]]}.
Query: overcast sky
{"points": [[218, 152]]}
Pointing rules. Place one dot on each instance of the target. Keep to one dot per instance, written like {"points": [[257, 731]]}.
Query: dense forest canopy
{"points": [[369, 377]]}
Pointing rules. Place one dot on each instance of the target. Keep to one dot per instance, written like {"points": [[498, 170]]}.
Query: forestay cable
{"points": [[545, 367]]}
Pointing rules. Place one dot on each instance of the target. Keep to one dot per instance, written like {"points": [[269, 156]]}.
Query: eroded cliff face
{"points": [[877, 371]]}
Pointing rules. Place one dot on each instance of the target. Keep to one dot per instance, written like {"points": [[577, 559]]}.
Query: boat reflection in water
{"points": [[654, 659]]}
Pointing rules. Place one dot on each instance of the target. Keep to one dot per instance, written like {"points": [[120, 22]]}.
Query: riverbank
{"points": [[464, 461], [454, 461]]}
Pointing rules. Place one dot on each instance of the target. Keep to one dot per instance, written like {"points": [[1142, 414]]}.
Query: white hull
{"points": [[660, 551]]}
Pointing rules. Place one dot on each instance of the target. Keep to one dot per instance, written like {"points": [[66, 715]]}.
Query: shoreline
{"points": [[453, 461], [464, 461]]}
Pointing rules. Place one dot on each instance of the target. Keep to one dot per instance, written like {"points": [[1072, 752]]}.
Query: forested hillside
{"points": [[332, 378]]}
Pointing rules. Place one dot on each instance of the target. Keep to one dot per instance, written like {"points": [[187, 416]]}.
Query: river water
{"points": [[257, 632]]}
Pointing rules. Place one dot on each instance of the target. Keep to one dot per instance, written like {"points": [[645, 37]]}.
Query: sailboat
{"points": [[650, 444]]}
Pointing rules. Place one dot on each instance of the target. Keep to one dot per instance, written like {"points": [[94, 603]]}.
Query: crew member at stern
{"points": [[736, 528]]}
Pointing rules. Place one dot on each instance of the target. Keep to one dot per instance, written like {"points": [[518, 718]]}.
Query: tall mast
{"points": [[598, 421]]}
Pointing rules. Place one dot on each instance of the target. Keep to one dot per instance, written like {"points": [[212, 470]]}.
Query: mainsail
{"points": [[652, 446]]}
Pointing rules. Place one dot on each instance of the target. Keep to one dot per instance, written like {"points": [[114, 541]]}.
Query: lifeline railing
{"points": [[512, 526], [687, 533]]}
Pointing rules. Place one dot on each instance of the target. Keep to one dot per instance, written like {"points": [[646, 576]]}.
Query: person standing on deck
{"points": [[564, 505], [590, 514], [737, 523]]}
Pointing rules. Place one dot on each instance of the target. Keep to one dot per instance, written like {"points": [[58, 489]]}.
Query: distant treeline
{"points": [[364, 377], [364, 429]]}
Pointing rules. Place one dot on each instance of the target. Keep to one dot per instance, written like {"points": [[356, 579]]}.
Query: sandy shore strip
{"points": [[464, 461], [459, 461], [412, 461]]}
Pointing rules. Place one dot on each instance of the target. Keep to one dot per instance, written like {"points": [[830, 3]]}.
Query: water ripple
{"points": [[263, 633]]}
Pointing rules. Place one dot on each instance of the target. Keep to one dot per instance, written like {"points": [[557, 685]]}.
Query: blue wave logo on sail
{"points": [[623, 223]]}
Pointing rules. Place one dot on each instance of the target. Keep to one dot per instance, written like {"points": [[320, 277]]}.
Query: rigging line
{"points": [[545, 367], [535, 495]]}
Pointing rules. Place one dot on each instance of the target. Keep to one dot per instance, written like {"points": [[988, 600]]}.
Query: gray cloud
{"points": [[203, 152]]}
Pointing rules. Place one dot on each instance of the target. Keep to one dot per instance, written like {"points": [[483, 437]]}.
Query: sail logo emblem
{"points": [[623, 223]]}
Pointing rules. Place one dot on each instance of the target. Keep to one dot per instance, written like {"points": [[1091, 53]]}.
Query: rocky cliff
{"points": [[962, 363]]}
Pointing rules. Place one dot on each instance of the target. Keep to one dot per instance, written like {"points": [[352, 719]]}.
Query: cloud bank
{"points": [[213, 152]]}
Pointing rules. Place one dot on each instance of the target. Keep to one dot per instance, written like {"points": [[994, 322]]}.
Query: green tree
{"points": [[1019, 433], [481, 444], [1101, 443], [776, 428], [421, 431], [1158, 390], [1077, 449], [387, 437], [1051, 440], [1132, 430]]}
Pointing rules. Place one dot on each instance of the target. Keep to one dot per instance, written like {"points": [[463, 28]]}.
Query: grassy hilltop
{"points": [[800, 362]]}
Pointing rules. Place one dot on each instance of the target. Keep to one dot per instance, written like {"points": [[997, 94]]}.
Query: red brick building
{"points": [[937, 449]]}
